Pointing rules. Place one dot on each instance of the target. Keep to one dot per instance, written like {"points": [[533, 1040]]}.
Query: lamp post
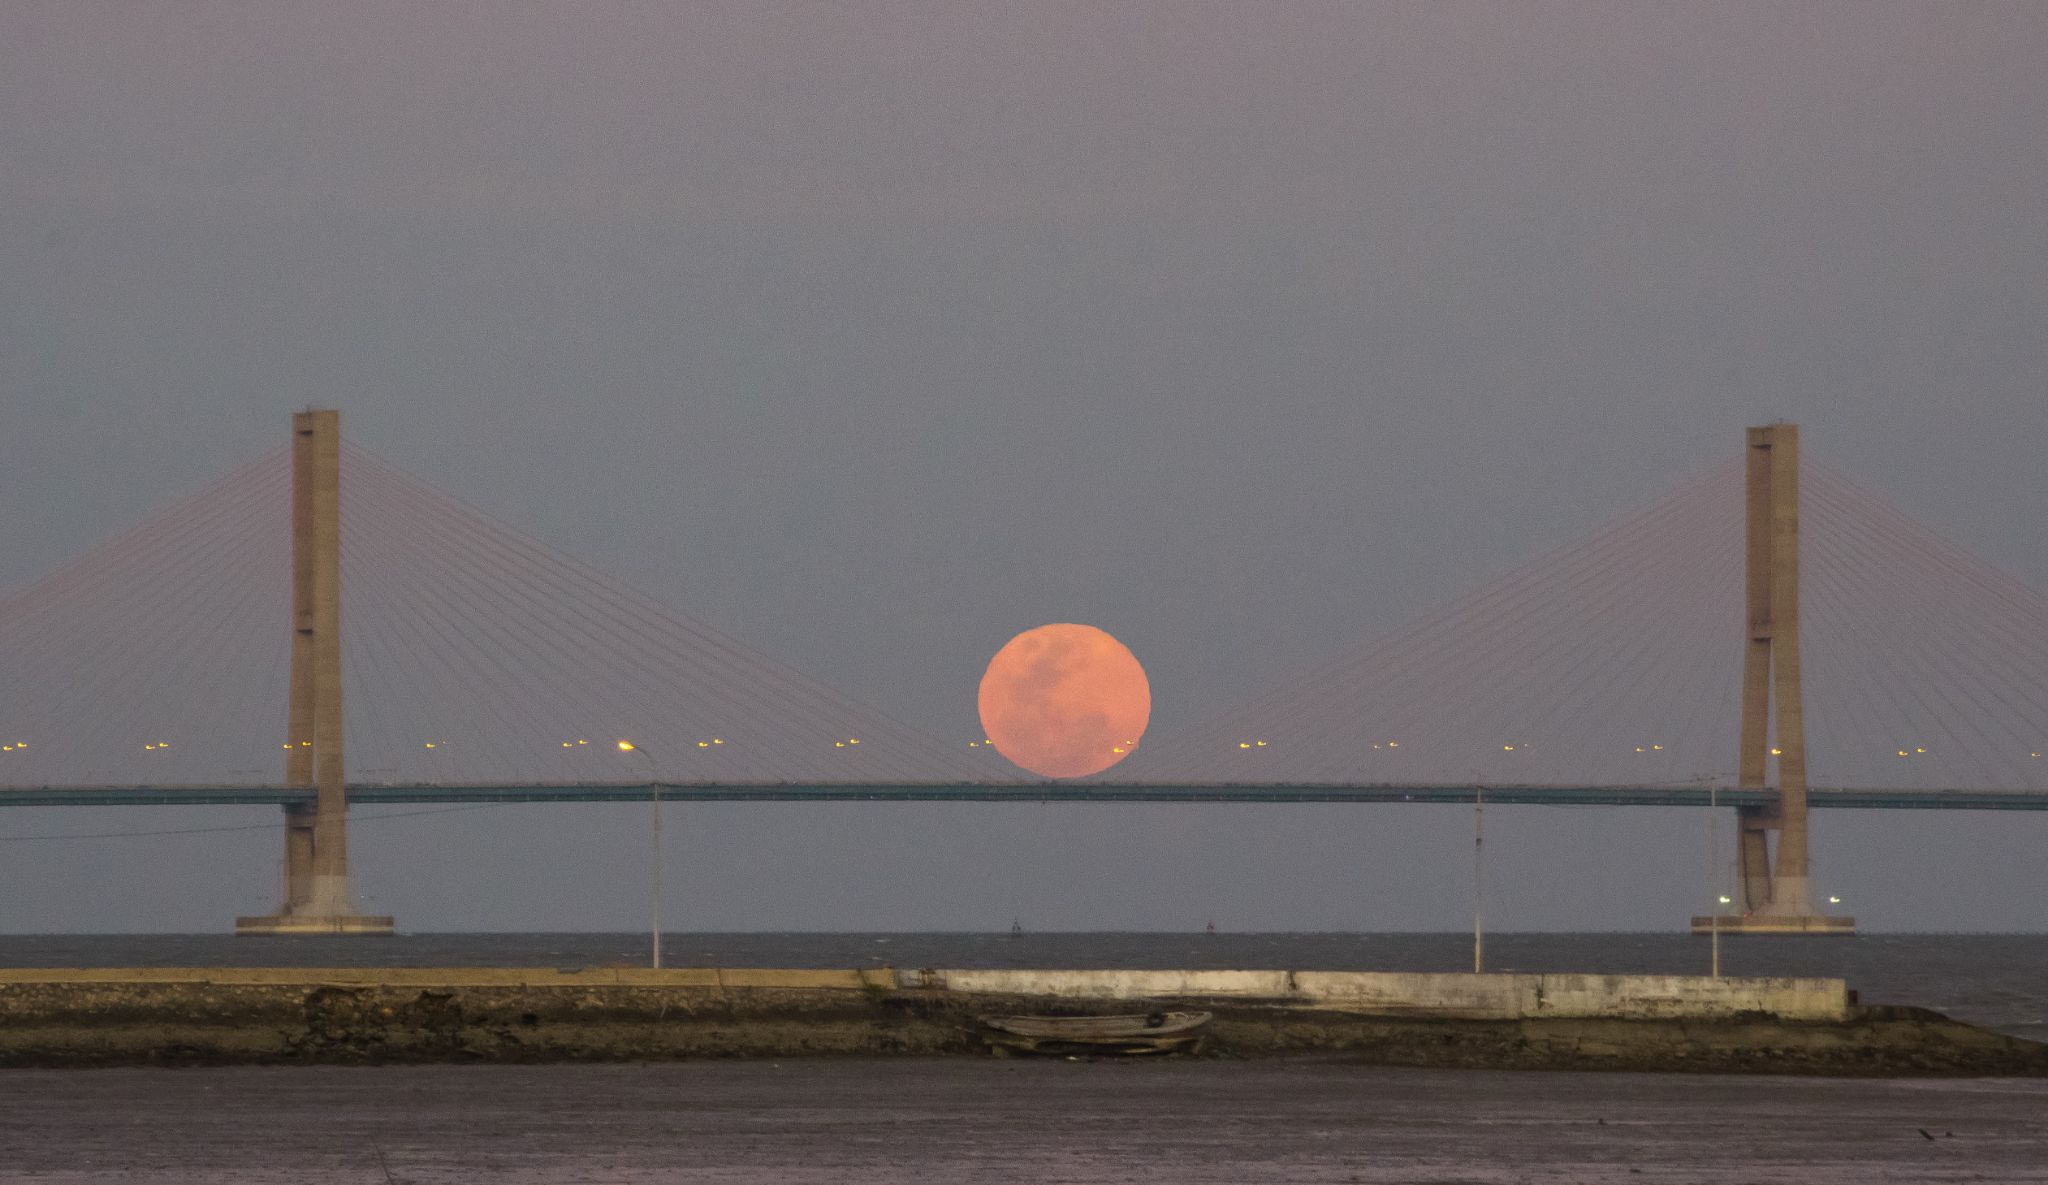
{"points": [[654, 898], [1714, 873], [1478, 878]]}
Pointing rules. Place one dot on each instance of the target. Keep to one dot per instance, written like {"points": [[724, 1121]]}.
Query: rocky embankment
{"points": [[77, 1021]]}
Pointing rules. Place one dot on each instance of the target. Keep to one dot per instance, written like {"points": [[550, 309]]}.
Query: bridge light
{"points": [[1727, 900], [1261, 744], [853, 740], [1902, 752], [839, 744], [1919, 750], [1777, 752], [718, 740], [1116, 748], [1639, 748], [627, 746], [1393, 744], [430, 744], [703, 744], [1507, 748], [581, 742], [1244, 744], [1834, 900], [1656, 746]]}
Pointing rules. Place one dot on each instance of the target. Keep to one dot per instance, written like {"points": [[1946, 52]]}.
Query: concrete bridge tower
{"points": [[316, 899], [1773, 900]]}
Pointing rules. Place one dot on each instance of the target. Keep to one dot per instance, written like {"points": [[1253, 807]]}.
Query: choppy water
{"points": [[1998, 980]]}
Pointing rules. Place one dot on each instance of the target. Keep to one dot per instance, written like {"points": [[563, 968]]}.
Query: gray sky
{"points": [[874, 334]]}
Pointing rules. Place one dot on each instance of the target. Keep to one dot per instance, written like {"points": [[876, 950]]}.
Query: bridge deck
{"points": [[373, 794]]}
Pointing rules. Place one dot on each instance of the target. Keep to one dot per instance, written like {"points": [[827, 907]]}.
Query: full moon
{"points": [[1065, 700]]}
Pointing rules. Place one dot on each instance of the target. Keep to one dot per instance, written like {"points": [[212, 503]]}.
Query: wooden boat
{"points": [[1150, 1032]]}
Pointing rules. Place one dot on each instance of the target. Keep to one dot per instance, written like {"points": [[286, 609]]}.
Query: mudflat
{"points": [[967, 1120]]}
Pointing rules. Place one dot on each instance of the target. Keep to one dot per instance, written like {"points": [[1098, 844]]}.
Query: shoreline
{"points": [[229, 1016]]}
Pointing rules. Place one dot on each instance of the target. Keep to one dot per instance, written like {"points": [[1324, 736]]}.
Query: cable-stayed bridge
{"points": [[220, 652]]}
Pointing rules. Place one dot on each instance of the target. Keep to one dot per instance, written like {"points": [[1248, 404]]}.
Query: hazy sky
{"points": [[875, 333]]}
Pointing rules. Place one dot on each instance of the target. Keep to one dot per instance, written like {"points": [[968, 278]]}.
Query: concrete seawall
{"points": [[1505, 996], [357, 1015], [1448, 996]]}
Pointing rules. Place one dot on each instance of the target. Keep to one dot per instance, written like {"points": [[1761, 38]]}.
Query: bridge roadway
{"points": [[381, 794]]}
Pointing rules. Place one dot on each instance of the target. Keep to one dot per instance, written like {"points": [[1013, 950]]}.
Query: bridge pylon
{"points": [[1773, 900], [316, 898]]}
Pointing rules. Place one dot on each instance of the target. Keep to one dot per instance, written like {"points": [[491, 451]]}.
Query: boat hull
{"points": [[1071, 1036]]}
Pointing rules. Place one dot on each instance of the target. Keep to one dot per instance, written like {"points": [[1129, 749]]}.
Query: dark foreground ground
{"points": [[958, 1120]]}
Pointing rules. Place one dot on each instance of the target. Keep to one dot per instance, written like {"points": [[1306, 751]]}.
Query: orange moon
{"points": [[1065, 700]]}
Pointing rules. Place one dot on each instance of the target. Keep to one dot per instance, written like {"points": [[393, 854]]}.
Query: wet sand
{"points": [[968, 1120]]}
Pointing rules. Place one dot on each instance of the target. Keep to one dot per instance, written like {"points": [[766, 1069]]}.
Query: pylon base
{"points": [[275, 923], [1757, 923]]}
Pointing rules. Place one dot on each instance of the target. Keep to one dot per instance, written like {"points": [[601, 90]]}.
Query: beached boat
{"points": [[1149, 1032]]}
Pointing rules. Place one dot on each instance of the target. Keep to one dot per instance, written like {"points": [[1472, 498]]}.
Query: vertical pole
{"points": [[1714, 875], [1478, 879], [654, 905]]}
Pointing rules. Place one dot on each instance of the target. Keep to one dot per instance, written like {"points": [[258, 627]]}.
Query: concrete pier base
{"points": [[275, 923], [1776, 924]]}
